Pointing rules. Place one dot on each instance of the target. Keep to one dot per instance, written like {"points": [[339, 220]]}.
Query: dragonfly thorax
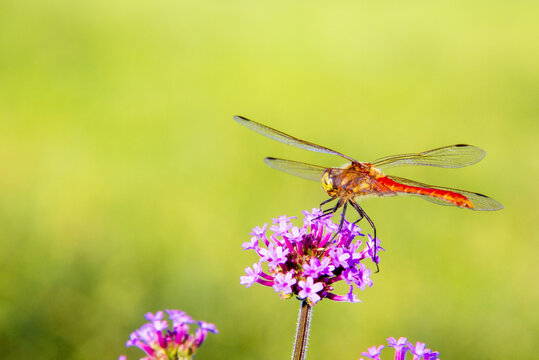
{"points": [[354, 180]]}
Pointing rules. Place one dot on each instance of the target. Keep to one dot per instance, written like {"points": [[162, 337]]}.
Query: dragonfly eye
{"points": [[327, 183]]}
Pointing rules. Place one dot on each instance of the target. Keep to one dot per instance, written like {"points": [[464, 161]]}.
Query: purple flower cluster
{"points": [[307, 261], [161, 343], [402, 347]]}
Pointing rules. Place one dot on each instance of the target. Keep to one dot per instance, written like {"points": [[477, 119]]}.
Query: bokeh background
{"points": [[126, 187]]}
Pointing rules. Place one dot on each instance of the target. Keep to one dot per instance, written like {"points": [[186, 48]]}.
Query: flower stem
{"points": [[302, 335]]}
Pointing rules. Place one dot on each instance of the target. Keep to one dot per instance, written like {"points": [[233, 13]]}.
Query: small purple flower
{"points": [[306, 261], [179, 317], [161, 343], [373, 352], [420, 352], [402, 347], [282, 224], [315, 268], [251, 245], [296, 233], [259, 231], [309, 290], [275, 254], [340, 257], [283, 283], [157, 317], [252, 275], [434, 355], [363, 277], [208, 326]]}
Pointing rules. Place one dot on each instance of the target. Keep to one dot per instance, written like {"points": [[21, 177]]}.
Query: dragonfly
{"points": [[358, 179]]}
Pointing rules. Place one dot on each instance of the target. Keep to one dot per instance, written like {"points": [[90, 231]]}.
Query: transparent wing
{"points": [[285, 138], [481, 202], [452, 156], [306, 171]]}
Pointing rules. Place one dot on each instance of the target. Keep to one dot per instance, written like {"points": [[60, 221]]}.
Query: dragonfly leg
{"points": [[341, 223], [362, 215], [329, 210], [333, 210], [327, 201]]}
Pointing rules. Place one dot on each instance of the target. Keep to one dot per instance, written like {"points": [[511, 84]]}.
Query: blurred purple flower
{"points": [[307, 261], [420, 352], [161, 343], [373, 352], [402, 347]]}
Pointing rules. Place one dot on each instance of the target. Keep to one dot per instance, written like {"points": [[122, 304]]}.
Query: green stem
{"points": [[302, 335]]}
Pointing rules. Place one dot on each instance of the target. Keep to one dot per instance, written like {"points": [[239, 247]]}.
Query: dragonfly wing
{"points": [[285, 138], [452, 156], [480, 202], [306, 171]]}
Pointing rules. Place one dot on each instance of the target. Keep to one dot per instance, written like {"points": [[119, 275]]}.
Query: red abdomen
{"points": [[444, 195]]}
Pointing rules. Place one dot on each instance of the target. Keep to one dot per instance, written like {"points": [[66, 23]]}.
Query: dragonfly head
{"points": [[328, 183]]}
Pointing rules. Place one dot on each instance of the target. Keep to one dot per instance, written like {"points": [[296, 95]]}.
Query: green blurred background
{"points": [[126, 187]]}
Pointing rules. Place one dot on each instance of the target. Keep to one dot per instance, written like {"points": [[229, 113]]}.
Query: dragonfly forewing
{"points": [[285, 138]]}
